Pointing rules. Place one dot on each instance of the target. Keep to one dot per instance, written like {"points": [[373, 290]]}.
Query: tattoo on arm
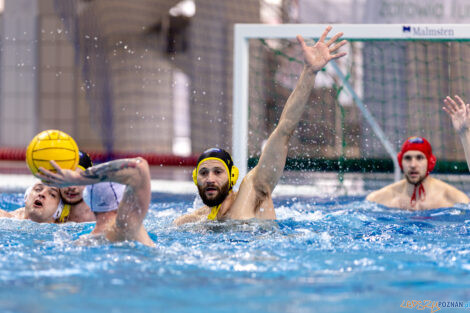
{"points": [[101, 172]]}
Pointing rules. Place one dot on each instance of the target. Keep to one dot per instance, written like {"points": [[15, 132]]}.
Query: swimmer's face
{"points": [[72, 194], [212, 182], [42, 203], [415, 166]]}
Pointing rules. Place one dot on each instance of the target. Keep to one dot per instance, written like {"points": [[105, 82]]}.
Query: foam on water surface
{"points": [[322, 255]]}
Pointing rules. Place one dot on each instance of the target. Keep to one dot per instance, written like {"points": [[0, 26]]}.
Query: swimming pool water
{"points": [[321, 255]]}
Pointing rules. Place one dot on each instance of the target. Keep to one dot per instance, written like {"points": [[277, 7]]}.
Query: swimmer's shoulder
{"points": [[18, 213], [5, 214], [81, 213], [253, 200], [193, 217], [386, 193], [253, 181], [449, 192]]}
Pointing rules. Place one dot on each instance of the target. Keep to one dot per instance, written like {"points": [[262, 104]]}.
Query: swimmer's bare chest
{"points": [[238, 208], [428, 202]]}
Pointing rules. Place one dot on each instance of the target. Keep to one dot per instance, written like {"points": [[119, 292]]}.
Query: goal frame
{"points": [[244, 32]]}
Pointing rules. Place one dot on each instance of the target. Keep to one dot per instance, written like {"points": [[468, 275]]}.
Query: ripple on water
{"points": [[320, 253]]}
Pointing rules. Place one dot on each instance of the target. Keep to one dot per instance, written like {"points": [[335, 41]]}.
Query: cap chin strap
{"points": [[59, 210], [421, 192], [214, 211]]}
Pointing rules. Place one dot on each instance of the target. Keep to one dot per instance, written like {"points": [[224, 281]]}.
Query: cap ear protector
{"points": [[84, 160], [222, 156], [418, 144], [233, 176], [233, 173]]}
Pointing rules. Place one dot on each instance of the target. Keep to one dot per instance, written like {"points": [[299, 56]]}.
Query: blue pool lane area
{"points": [[322, 255]]}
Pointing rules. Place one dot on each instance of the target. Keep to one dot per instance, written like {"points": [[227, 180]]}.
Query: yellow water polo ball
{"points": [[52, 145]]}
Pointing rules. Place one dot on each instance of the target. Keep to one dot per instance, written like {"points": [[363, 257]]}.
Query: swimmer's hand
{"points": [[459, 113], [62, 178], [318, 55]]}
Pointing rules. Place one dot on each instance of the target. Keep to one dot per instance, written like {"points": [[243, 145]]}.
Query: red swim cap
{"points": [[418, 144]]}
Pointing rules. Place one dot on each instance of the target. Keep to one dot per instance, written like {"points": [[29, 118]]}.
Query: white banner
{"points": [[385, 11], [417, 11]]}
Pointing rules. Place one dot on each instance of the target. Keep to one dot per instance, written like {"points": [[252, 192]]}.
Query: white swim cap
{"points": [[103, 197]]}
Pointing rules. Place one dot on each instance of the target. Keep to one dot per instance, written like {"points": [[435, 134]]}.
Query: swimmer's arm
{"points": [[135, 202], [134, 173], [372, 197], [459, 113], [123, 171], [18, 213], [456, 196], [192, 217], [271, 164], [273, 158], [460, 197], [5, 213], [465, 140], [382, 196]]}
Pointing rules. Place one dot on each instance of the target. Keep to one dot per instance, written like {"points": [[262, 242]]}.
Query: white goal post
{"points": [[244, 32]]}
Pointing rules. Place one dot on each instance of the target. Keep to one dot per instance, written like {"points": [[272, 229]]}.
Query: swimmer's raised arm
{"points": [[134, 173], [122, 171], [273, 157], [459, 113]]}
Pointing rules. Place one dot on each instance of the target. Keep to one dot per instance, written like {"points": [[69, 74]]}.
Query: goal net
{"points": [[390, 86]]}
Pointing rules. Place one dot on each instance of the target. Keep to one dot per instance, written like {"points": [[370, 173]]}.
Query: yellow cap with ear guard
{"points": [[222, 156]]}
